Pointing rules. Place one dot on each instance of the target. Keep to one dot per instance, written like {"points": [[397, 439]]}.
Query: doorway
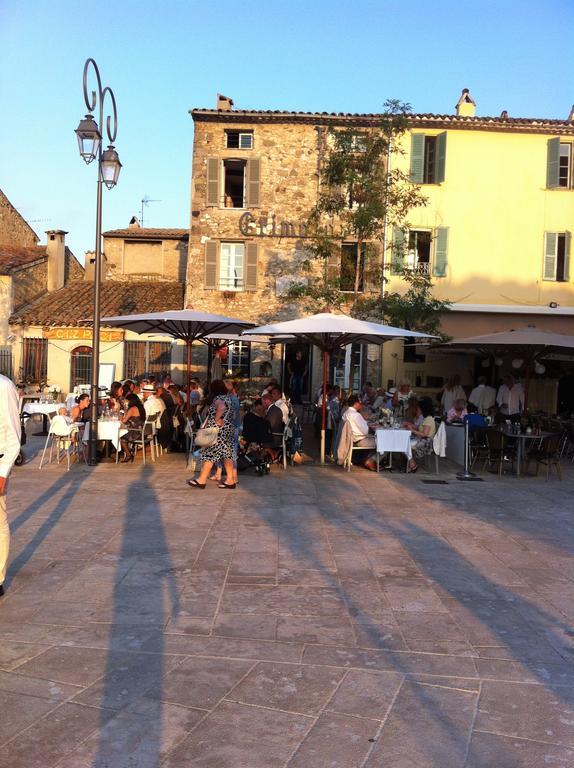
{"points": [[297, 372], [346, 367]]}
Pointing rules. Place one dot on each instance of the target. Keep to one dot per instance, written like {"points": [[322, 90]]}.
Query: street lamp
{"points": [[89, 135]]}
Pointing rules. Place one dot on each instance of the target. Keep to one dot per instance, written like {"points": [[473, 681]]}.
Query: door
{"points": [[297, 371]]}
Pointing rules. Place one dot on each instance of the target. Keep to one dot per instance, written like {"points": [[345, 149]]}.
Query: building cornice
{"points": [[512, 309]]}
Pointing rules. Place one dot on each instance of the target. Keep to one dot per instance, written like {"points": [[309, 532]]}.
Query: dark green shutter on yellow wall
{"points": [[552, 163], [440, 158], [567, 256], [211, 248], [440, 251], [398, 250], [417, 157]]}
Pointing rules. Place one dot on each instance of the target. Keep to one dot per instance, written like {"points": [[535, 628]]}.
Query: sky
{"points": [[163, 58]]}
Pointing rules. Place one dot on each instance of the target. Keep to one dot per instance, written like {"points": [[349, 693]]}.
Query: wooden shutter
{"points": [[567, 256], [211, 265], [417, 157], [251, 266], [550, 242], [552, 163], [398, 250], [253, 182], [440, 158], [440, 251], [213, 168]]}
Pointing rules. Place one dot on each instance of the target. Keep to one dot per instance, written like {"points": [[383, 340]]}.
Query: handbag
{"points": [[205, 437]]}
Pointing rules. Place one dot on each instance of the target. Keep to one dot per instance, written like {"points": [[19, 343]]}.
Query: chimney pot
{"points": [[466, 105], [224, 103]]}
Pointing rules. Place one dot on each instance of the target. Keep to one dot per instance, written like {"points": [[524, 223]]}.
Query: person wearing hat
{"points": [[153, 405]]}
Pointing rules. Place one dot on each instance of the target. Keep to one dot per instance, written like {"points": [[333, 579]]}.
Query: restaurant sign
{"points": [[81, 334], [271, 226]]}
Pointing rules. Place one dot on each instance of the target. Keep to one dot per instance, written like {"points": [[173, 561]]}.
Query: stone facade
{"points": [[14, 229]]}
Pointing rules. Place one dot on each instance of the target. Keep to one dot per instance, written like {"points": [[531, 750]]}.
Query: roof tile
{"points": [[13, 257]]}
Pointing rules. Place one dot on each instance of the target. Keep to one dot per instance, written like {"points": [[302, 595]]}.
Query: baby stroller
{"points": [[20, 459], [253, 457]]}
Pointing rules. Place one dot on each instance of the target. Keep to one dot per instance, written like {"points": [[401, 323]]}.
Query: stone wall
{"points": [[133, 259], [14, 230], [73, 269], [28, 284]]}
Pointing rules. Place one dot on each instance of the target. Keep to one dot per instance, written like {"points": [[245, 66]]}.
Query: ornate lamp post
{"points": [[89, 134]]}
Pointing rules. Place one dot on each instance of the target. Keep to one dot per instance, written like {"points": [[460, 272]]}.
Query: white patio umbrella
{"points": [[328, 332], [188, 325]]}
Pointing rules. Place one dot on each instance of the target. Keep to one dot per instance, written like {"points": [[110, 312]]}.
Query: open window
{"points": [[557, 256], [419, 251], [234, 183], [428, 158]]}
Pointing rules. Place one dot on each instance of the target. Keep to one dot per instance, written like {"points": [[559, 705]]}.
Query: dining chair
{"points": [[547, 454]]}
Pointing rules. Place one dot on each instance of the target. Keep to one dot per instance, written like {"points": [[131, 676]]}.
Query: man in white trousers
{"points": [[9, 450]]}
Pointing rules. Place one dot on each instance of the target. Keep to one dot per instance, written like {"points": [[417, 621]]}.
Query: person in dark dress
{"points": [[274, 416], [165, 431], [256, 428], [134, 419]]}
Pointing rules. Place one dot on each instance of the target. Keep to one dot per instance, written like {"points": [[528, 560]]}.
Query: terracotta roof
{"points": [[148, 233], [424, 120], [74, 302], [14, 257]]}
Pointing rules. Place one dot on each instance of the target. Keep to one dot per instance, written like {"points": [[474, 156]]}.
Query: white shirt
{"points": [[483, 397], [358, 424], [9, 425], [510, 401], [284, 409], [450, 395], [154, 405]]}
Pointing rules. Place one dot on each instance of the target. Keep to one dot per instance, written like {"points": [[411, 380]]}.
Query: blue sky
{"points": [[162, 58]]}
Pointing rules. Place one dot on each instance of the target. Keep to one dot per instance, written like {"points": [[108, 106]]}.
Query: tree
{"points": [[361, 196]]}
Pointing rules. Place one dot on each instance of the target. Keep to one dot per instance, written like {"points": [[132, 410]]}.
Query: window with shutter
{"points": [[552, 163], [440, 251], [549, 269], [567, 239], [398, 251], [440, 158], [417, 157], [565, 166], [212, 181], [253, 182], [251, 266], [211, 270], [231, 266]]}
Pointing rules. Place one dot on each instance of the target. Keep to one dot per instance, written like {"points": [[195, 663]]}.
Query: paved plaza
{"points": [[309, 619]]}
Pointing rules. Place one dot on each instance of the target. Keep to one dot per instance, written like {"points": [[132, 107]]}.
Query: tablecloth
{"points": [[394, 441], [107, 430], [43, 408]]}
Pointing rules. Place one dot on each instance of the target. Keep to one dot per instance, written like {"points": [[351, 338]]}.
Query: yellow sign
{"points": [[80, 334]]}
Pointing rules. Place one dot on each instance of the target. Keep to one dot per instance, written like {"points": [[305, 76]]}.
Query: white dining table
{"points": [[390, 440], [45, 410], [110, 430]]}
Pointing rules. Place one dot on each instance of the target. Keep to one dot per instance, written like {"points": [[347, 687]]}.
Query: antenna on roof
{"points": [[145, 201]]}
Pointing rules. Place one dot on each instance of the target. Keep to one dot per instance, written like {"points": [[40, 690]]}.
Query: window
{"points": [[349, 254], [80, 366], [239, 139], [557, 256], [231, 257], [234, 183], [559, 165], [239, 359], [419, 251], [146, 357], [564, 165], [35, 360], [428, 158]]}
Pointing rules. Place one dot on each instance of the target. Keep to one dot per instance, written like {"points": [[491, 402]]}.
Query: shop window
{"points": [[35, 360]]}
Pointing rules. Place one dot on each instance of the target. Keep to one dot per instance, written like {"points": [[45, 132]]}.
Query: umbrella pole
{"points": [[324, 405], [188, 403]]}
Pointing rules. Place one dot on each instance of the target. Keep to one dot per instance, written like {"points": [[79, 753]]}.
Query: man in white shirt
{"points": [[359, 426], [277, 397], [9, 450], [153, 404], [482, 396], [510, 398]]}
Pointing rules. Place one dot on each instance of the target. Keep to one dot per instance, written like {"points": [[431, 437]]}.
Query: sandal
{"points": [[229, 486], [194, 484]]}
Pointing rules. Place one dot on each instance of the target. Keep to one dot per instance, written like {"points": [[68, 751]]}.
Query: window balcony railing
{"points": [[230, 283]]}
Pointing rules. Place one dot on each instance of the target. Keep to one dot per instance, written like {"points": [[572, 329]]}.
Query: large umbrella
{"points": [[185, 324], [329, 332], [529, 344]]}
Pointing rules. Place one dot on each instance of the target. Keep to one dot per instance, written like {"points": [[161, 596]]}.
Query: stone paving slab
{"points": [[311, 619]]}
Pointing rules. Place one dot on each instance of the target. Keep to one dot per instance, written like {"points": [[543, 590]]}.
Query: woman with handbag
{"points": [[216, 436]]}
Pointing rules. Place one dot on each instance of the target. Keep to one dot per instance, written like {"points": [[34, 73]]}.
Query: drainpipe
{"points": [[385, 222]]}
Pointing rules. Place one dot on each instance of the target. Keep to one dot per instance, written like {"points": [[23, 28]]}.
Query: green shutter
{"points": [[251, 266], [440, 251], [398, 250], [252, 183], [552, 163], [440, 158], [212, 181], [567, 257], [550, 241], [211, 265], [417, 157]]}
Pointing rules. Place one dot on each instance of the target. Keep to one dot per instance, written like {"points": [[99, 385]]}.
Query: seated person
{"points": [[274, 416], [81, 409], [63, 411], [474, 418], [368, 394], [422, 436], [457, 412], [413, 414], [257, 429], [360, 429]]}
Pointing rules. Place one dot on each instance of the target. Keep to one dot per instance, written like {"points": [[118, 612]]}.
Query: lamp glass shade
{"points": [[517, 362], [89, 138], [111, 167]]}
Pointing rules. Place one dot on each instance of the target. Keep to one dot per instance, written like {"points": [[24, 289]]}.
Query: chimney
{"points": [[466, 105], [90, 266], [134, 223], [224, 103], [56, 251]]}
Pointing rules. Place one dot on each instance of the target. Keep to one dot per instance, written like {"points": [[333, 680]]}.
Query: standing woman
{"points": [[221, 414]]}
